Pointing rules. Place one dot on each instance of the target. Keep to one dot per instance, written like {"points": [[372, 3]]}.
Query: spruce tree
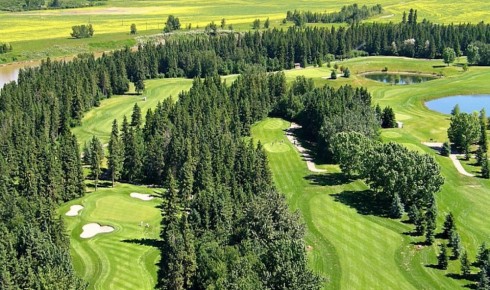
{"points": [[455, 244], [115, 162], [396, 209], [136, 116], [96, 157], [485, 168], [442, 260], [465, 265], [449, 226]]}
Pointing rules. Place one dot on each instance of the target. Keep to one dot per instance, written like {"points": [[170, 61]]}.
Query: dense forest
{"points": [[224, 224], [348, 14]]}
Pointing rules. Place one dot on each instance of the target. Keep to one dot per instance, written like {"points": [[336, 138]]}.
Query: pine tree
{"points": [[189, 256], [449, 226], [455, 244], [483, 280], [396, 209], [96, 157], [446, 149], [442, 260], [465, 265], [485, 168], [86, 154], [115, 161], [136, 116]]}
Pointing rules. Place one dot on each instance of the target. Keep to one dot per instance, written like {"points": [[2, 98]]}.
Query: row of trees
{"points": [[350, 14]]}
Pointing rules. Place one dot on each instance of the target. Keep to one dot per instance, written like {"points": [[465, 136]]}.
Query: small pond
{"points": [[8, 74], [399, 79], [467, 103]]}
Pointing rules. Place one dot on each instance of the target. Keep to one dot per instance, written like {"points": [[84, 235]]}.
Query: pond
{"points": [[467, 103], [399, 79], [8, 73]]}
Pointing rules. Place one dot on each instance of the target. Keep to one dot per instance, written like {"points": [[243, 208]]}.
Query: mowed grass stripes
{"points": [[353, 250], [126, 257]]}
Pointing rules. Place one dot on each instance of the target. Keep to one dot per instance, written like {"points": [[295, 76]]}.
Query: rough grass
{"points": [[125, 258]]}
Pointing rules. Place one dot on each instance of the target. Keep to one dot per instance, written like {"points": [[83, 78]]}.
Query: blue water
{"points": [[398, 79], [467, 103]]}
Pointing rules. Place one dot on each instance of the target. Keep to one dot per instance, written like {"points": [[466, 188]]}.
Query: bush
{"points": [[82, 31], [333, 75], [446, 149]]}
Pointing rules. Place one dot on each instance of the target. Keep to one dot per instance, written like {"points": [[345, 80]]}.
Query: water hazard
{"points": [[399, 79], [467, 103]]}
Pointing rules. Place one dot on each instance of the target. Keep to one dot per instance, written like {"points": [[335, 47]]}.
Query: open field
{"points": [[29, 30], [124, 258]]}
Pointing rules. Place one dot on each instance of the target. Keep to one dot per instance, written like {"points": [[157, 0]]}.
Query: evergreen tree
{"points": [[396, 209], [86, 154], [136, 116], [455, 244], [115, 159], [388, 118], [442, 259], [446, 149], [483, 142], [465, 265], [483, 280], [485, 168], [96, 157], [449, 226]]}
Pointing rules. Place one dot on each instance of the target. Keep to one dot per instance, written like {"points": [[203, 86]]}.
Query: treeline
{"points": [[5, 47], [39, 168], [349, 14], [23, 5], [281, 49]]}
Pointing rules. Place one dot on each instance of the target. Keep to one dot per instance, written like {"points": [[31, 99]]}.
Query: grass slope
{"points": [[123, 259], [98, 121]]}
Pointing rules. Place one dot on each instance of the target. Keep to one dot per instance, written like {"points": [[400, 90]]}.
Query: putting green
{"points": [[124, 258], [277, 147]]}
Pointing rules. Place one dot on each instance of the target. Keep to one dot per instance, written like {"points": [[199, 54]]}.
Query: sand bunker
{"points": [[90, 230], [74, 209], [142, 196]]}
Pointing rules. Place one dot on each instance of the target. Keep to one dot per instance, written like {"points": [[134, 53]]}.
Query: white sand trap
{"points": [[142, 196], [74, 209], [90, 230]]}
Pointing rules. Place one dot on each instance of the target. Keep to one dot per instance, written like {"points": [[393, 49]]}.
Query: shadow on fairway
{"points": [[365, 202], [328, 179], [146, 242]]}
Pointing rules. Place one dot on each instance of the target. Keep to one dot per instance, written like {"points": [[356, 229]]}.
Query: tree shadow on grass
{"points": [[433, 266], [328, 179], [146, 242], [365, 202]]}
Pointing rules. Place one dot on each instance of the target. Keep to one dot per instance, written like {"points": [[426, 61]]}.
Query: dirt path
{"points": [[305, 153], [454, 157]]}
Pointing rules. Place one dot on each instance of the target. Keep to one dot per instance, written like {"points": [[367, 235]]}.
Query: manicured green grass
{"points": [[98, 121], [351, 245], [124, 258]]}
